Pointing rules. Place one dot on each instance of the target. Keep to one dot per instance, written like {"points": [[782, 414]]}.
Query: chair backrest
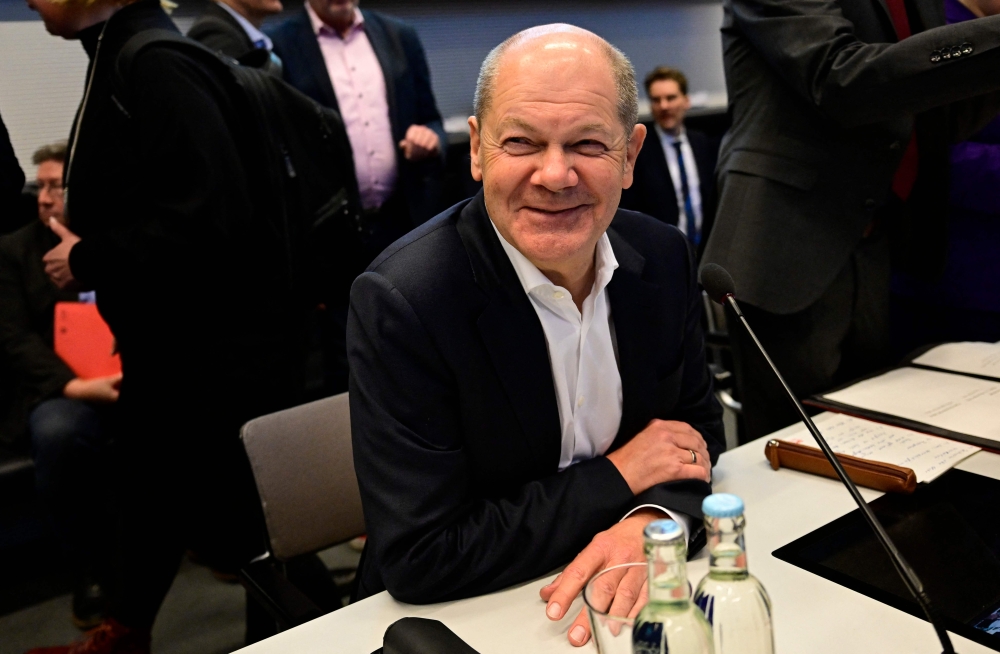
{"points": [[303, 464]]}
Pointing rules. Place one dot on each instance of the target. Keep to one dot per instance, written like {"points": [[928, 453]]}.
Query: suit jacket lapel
{"points": [[658, 159], [634, 313], [388, 54], [308, 48], [513, 336]]}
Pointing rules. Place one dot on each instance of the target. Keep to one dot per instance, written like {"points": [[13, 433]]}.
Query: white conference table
{"points": [[811, 614]]}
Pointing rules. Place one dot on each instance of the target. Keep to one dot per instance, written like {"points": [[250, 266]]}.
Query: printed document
{"points": [[971, 358], [967, 405]]}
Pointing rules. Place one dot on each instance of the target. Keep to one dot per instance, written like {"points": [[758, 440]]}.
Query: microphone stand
{"points": [[910, 578]]}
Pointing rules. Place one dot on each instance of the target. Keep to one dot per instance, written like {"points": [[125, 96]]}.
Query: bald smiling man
{"points": [[528, 377]]}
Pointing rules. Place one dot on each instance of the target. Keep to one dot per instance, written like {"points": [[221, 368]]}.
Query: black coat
{"points": [[652, 191], [217, 29], [183, 269], [27, 308], [454, 413], [12, 205], [408, 91], [823, 101]]}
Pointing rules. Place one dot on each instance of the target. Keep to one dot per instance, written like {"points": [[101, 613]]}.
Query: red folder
{"points": [[84, 341]]}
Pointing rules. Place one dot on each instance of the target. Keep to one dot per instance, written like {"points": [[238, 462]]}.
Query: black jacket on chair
{"points": [[408, 91], [823, 99], [27, 308], [652, 191], [454, 414], [217, 29]]}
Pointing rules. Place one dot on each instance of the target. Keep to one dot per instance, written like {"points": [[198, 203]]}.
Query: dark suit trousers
{"points": [[841, 336]]}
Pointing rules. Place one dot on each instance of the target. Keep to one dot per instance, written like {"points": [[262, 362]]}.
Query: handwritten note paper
{"points": [[971, 358], [928, 456]]}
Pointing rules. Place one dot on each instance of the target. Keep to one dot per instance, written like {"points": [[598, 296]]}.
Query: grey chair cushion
{"points": [[304, 468]]}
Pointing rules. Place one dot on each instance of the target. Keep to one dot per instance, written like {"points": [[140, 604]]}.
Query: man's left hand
{"points": [[420, 143], [57, 259], [624, 593]]}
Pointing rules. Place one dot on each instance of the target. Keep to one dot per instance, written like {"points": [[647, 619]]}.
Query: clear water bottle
{"points": [[733, 601], [669, 622]]}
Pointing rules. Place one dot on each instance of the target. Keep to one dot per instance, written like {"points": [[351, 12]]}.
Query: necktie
{"points": [[692, 226], [906, 174]]}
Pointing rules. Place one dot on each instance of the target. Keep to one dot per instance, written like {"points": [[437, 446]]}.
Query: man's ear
{"points": [[474, 142], [631, 152]]}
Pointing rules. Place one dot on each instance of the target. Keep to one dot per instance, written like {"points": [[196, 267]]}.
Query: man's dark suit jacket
{"points": [[217, 29], [408, 91], [823, 100], [454, 414], [652, 191], [27, 307]]}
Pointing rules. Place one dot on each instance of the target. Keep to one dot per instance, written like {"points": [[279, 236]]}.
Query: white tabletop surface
{"points": [[811, 614]]}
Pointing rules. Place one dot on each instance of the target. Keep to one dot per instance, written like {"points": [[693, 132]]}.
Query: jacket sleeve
{"points": [[434, 537], [38, 368], [427, 110], [814, 48], [192, 179], [11, 176]]}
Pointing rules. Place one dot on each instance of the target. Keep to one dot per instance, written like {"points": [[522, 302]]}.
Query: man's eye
{"points": [[590, 148], [519, 146]]}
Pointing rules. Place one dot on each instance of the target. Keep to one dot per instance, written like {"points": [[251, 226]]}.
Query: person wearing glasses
{"points": [[62, 417]]}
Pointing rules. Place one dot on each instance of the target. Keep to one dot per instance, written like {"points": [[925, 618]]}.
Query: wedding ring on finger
{"points": [[694, 456]]}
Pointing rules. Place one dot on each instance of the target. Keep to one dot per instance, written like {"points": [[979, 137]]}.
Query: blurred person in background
{"points": [[964, 305], [165, 229], [232, 27], [675, 171], [372, 69], [66, 419]]}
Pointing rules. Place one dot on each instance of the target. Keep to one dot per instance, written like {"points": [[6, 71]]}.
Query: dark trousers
{"points": [[841, 336], [69, 444], [184, 480]]}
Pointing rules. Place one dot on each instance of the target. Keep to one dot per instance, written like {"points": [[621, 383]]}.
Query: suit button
{"points": [[870, 203], [935, 56], [966, 48], [956, 52]]}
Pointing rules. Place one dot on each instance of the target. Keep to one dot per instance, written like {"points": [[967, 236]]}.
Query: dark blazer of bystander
{"points": [[408, 91], [217, 29]]}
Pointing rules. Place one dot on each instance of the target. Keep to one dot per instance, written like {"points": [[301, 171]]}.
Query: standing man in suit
{"points": [[838, 153], [528, 369], [372, 69], [675, 171], [232, 27]]}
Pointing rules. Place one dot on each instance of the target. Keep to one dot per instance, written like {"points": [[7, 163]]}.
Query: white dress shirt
{"points": [[259, 38], [582, 355], [690, 168]]}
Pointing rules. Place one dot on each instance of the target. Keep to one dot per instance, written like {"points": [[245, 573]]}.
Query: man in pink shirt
{"points": [[373, 70]]}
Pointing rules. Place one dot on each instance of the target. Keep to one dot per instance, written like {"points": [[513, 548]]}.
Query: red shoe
{"points": [[112, 637]]}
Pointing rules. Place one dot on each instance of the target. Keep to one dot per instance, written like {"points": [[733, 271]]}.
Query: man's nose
{"points": [[556, 170]]}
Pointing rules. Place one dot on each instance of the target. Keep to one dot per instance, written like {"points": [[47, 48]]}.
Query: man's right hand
{"points": [[103, 390], [660, 453]]}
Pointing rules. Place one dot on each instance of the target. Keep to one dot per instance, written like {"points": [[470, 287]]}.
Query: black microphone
{"points": [[720, 287]]}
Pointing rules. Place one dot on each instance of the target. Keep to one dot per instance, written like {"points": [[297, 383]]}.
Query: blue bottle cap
{"points": [[663, 530], [722, 505]]}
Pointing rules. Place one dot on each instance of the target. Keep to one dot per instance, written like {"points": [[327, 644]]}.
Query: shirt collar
{"points": [[255, 34], [319, 27], [670, 139], [532, 278]]}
